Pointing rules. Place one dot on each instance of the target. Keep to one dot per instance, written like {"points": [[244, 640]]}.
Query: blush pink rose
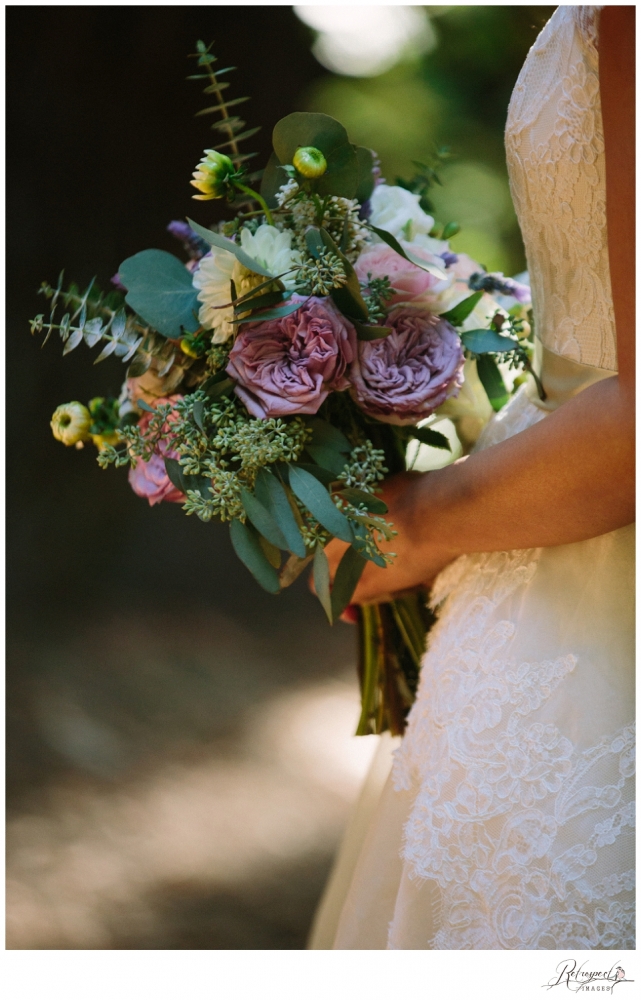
{"points": [[408, 281], [286, 366], [404, 377], [149, 479]]}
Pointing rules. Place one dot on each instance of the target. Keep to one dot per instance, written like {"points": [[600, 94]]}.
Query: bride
{"points": [[508, 818]]}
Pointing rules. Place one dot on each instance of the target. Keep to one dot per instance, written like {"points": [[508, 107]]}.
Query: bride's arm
{"points": [[571, 476]]}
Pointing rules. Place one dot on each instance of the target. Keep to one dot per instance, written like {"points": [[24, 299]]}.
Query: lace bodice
{"points": [[556, 162]]}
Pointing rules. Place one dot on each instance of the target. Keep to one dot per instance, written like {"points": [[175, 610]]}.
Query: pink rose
{"points": [[405, 376], [289, 365], [149, 479], [408, 281]]}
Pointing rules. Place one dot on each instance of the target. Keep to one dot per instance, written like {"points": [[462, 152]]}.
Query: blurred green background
{"points": [[450, 85], [180, 759]]}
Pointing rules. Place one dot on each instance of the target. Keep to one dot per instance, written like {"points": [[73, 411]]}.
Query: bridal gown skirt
{"points": [[507, 820]]}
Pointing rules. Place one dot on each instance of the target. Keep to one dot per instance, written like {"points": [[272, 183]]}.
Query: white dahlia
{"points": [[269, 247], [272, 248]]}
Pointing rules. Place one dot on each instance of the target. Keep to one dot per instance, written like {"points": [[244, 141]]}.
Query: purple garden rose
{"points": [[405, 376], [289, 365]]}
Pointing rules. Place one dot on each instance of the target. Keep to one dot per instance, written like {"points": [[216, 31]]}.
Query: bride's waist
{"points": [[560, 378]]}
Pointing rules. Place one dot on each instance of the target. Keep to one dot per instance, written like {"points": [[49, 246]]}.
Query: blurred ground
{"points": [[193, 781], [180, 763]]}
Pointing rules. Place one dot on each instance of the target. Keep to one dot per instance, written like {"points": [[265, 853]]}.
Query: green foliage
{"points": [[431, 437], [492, 381], [231, 127], [407, 254], [348, 573], [245, 540], [160, 289], [487, 342], [462, 310], [425, 178], [377, 293], [326, 134], [318, 501], [92, 317]]}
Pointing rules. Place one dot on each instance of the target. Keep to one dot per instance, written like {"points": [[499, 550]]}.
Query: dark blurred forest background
{"points": [[180, 757]]}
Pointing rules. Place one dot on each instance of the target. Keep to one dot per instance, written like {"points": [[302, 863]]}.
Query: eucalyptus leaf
{"points": [[262, 519], [106, 351], [119, 323], [73, 341], [323, 475], [364, 499], [272, 553], [246, 545], [327, 458], [174, 471], [324, 433], [271, 494], [459, 313], [216, 240], [361, 538], [274, 176], [492, 381], [314, 242], [318, 501], [198, 411], [487, 342], [160, 289], [142, 405], [342, 175], [139, 365], [303, 128], [348, 574], [430, 437], [322, 581]]}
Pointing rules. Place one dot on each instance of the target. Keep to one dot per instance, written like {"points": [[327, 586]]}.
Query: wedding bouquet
{"points": [[281, 371]]}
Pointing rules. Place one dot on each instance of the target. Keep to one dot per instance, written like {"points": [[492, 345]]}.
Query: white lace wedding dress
{"points": [[508, 817]]}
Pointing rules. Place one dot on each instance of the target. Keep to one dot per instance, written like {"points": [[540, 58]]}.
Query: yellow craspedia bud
{"points": [[211, 175], [310, 162], [70, 423]]}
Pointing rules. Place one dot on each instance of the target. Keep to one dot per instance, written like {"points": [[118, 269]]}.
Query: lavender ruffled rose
{"points": [[290, 365], [405, 376]]}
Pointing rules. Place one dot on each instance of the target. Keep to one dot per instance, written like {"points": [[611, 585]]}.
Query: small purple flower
{"points": [[405, 376], [117, 283], [498, 283], [194, 245], [449, 258], [289, 365]]}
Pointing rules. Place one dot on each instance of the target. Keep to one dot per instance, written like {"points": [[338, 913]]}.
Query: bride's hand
{"points": [[418, 558]]}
